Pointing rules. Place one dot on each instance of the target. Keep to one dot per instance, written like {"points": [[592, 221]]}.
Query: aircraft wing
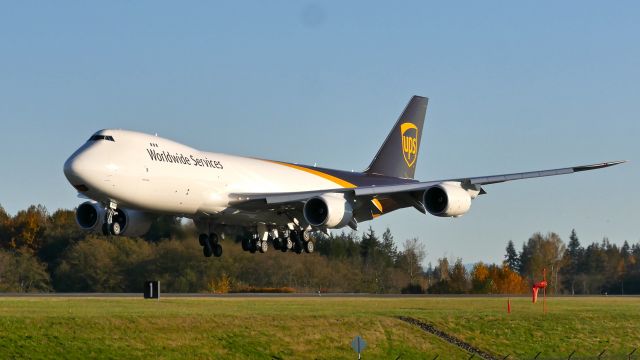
{"points": [[486, 180], [238, 200]]}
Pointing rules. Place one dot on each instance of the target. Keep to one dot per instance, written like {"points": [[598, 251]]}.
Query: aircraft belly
{"points": [[245, 218]]}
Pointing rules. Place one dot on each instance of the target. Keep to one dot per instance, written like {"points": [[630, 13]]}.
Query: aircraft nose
{"points": [[79, 169], [82, 169]]}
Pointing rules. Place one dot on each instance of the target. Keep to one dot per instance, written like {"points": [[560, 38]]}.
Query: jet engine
{"points": [[329, 210], [447, 199], [91, 216]]}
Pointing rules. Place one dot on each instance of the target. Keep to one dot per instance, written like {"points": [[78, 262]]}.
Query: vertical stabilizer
{"points": [[399, 153]]}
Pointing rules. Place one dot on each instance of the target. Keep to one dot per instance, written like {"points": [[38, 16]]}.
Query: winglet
{"points": [[597, 166]]}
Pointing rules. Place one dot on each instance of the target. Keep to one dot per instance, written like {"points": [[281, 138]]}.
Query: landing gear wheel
{"points": [[115, 228], [277, 242], [213, 239], [202, 239], [306, 235], [217, 250], [309, 247], [289, 244], [246, 244], [105, 229], [253, 247], [264, 246], [206, 250], [283, 248], [297, 243]]}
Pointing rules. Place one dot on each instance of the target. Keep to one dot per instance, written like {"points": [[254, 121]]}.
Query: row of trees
{"points": [[481, 279], [600, 268], [48, 252], [573, 269]]}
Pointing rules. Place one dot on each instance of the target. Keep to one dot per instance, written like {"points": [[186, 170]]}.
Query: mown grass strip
{"points": [[313, 327]]}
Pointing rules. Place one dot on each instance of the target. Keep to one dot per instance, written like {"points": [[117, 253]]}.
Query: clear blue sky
{"points": [[513, 87]]}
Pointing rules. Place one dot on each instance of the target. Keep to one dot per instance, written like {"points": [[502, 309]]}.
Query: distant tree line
{"points": [[600, 268], [42, 252]]}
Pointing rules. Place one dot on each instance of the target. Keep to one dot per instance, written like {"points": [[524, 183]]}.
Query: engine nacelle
{"points": [[447, 199], [90, 216], [133, 222], [330, 210]]}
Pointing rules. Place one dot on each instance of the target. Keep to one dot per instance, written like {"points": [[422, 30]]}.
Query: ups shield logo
{"points": [[409, 133]]}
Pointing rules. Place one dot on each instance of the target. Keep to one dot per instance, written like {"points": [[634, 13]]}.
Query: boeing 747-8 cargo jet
{"points": [[133, 177]]}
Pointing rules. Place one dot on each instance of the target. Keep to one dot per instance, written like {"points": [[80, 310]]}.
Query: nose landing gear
{"points": [[116, 229], [113, 222]]}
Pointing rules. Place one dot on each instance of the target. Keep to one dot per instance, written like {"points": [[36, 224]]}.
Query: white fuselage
{"points": [[154, 174]]}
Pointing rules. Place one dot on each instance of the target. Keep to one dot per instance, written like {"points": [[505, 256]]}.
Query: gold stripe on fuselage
{"points": [[343, 183]]}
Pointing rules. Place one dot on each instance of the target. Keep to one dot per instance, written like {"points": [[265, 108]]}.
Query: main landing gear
{"points": [[253, 244], [210, 245], [296, 241], [257, 239]]}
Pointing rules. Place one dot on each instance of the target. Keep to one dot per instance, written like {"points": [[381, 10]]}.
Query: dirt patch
{"points": [[448, 338]]}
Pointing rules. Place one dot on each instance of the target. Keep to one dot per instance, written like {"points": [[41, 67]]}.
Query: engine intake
{"points": [[90, 216], [330, 210], [447, 199]]}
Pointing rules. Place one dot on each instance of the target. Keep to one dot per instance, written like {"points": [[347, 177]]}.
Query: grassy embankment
{"points": [[293, 328]]}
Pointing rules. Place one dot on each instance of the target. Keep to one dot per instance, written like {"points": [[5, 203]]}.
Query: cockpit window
{"points": [[101, 137]]}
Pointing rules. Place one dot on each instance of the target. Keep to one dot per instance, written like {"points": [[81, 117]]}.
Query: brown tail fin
{"points": [[399, 153]]}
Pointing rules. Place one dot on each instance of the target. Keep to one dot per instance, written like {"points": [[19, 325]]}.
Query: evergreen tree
{"points": [[429, 274], [625, 251], [511, 257], [375, 275], [369, 245], [635, 250], [573, 259], [344, 245], [388, 248]]}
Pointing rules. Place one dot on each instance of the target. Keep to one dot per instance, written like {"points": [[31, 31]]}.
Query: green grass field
{"points": [[313, 328]]}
